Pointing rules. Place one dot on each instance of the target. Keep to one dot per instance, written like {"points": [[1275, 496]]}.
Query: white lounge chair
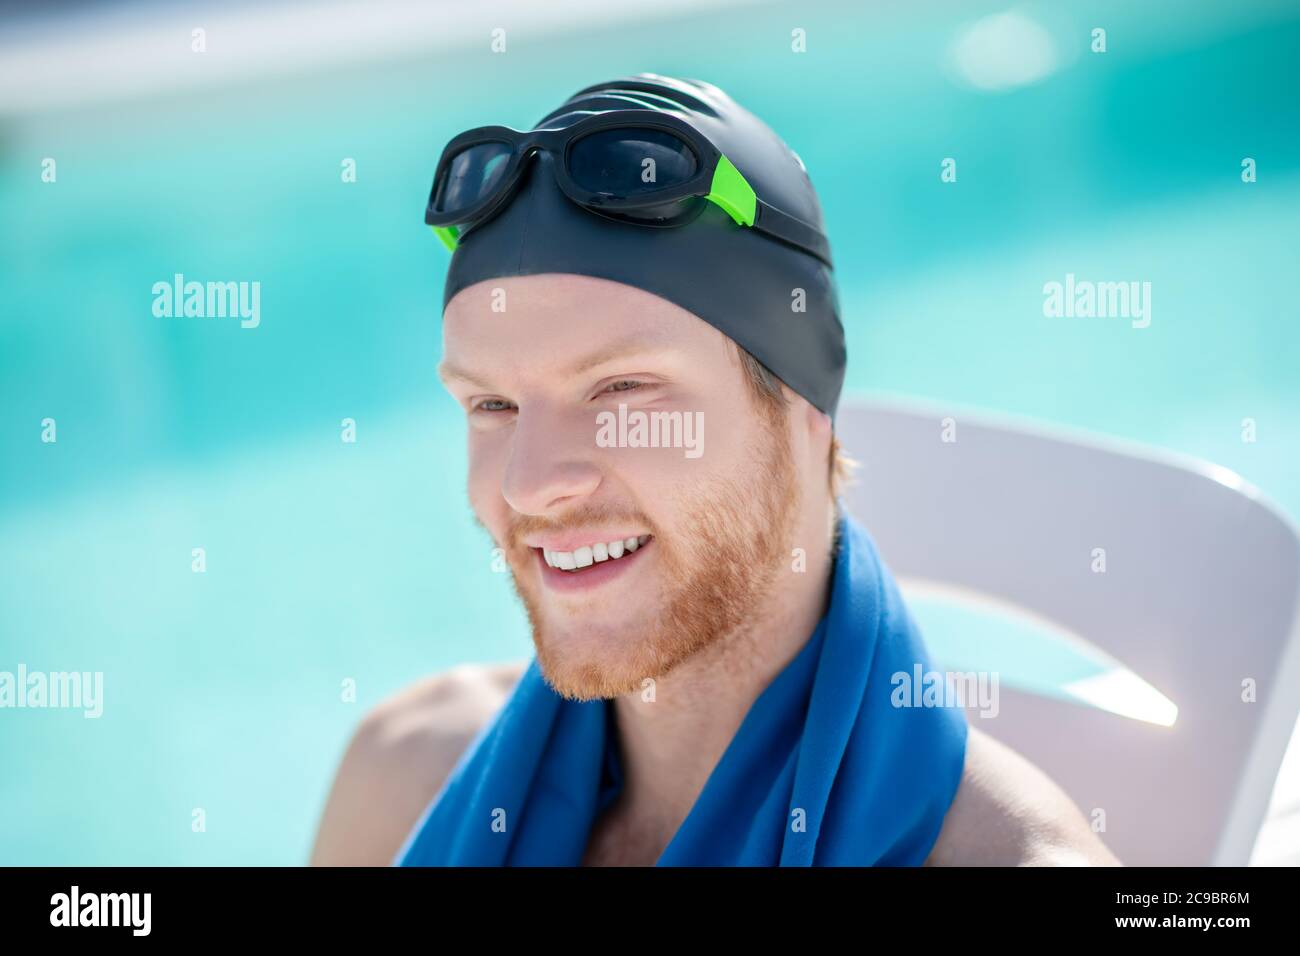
{"points": [[1199, 595]]}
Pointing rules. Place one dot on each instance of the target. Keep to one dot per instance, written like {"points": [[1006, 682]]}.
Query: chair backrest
{"points": [[1199, 594]]}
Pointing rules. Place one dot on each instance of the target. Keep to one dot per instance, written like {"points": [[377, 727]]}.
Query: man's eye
{"points": [[623, 385], [493, 405]]}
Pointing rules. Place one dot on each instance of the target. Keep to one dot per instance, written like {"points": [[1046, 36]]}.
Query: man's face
{"points": [[671, 548]]}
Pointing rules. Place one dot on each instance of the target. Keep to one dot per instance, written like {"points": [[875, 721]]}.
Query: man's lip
{"points": [[593, 576], [572, 540]]}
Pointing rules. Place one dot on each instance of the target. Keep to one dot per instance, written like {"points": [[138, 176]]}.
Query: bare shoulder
{"points": [[400, 755], [1007, 812]]}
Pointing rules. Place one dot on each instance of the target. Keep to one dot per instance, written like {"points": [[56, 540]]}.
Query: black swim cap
{"points": [[738, 280]]}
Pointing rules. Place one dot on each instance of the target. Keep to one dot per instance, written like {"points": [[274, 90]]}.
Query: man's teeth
{"points": [[588, 555]]}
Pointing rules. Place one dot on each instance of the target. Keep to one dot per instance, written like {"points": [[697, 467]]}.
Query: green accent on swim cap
{"points": [[730, 191], [447, 234]]}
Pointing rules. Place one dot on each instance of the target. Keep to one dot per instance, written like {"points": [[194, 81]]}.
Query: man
{"points": [[641, 326]]}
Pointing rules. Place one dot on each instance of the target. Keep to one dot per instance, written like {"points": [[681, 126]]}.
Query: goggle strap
{"points": [[448, 235], [732, 193]]}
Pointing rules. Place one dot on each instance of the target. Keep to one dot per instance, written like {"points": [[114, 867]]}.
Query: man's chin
{"points": [[591, 663]]}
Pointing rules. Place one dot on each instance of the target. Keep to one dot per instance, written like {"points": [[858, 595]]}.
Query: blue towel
{"points": [[825, 770]]}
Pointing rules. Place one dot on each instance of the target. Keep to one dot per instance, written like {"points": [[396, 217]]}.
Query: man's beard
{"points": [[716, 570]]}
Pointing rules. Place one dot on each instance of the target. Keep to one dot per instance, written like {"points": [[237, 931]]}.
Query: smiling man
{"points": [[716, 640]]}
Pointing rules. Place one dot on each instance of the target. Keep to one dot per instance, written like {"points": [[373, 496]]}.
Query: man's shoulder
{"points": [[1007, 812], [442, 705], [399, 757]]}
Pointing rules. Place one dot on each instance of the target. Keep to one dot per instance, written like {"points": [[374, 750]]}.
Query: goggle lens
{"points": [[631, 162], [471, 175]]}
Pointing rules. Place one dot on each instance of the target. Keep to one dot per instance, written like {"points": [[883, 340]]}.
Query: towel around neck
{"points": [[835, 764]]}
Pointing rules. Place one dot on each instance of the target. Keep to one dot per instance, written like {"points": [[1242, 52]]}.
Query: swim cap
{"points": [[777, 302]]}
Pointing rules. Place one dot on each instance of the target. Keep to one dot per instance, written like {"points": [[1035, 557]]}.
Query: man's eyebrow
{"points": [[447, 372], [625, 348]]}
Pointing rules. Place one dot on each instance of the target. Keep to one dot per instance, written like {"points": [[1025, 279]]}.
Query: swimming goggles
{"points": [[640, 166]]}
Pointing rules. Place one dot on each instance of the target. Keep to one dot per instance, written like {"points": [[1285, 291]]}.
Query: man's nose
{"points": [[553, 461]]}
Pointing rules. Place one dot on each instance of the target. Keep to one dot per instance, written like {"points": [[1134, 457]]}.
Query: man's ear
{"points": [[816, 423], [819, 423]]}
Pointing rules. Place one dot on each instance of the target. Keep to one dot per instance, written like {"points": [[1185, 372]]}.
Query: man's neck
{"points": [[670, 743]]}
